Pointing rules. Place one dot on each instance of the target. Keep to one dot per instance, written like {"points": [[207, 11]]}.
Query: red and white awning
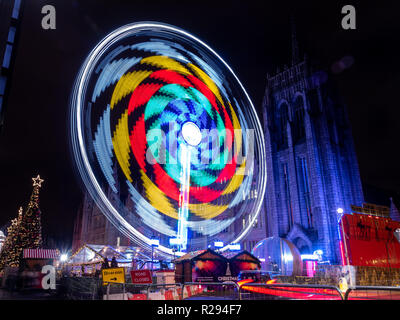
{"points": [[41, 254]]}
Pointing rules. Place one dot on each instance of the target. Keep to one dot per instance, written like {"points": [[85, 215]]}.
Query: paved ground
{"points": [[26, 295]]}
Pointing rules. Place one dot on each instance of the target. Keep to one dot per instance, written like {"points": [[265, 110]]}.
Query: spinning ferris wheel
{"points": [[166, 139]]}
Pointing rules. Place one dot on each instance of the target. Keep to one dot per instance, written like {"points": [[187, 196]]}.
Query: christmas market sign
{"points": [[113, 275], [141, 276]]}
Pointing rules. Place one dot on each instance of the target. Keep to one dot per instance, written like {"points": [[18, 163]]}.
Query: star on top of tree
{"points": [[37, 181]]}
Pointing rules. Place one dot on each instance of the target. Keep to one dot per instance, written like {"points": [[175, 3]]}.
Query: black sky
{"points": [[253, 37]]}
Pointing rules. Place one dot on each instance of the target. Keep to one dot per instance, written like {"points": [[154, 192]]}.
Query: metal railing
{"points": [[228, 290], [93, 289], [273, 291], [372, 293]]}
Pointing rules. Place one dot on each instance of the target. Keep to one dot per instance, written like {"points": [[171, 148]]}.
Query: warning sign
{"points": [[141, 276], [113, 275]]}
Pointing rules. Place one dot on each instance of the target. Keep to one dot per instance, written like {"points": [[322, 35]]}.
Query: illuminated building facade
{"points": [[312, 166], [10, 18], [92, 227]]}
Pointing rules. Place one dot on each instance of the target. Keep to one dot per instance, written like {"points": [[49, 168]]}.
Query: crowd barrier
{"points": [[153, 291], [283, 291], [75, 288], [372, 293]]}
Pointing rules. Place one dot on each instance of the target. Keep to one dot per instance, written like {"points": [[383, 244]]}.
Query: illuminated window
{"points": [[299, 119], [284, 117], [287, 194], [7, 56], [306, 191], [2, 85], [11, 35], [17, 5]]}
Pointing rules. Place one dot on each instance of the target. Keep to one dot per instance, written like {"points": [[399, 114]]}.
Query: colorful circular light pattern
{"points": [[137, 91]]}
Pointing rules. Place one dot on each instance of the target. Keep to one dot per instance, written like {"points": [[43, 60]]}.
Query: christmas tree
{"points": [[25, 232], [30, 230], [10, 253]]}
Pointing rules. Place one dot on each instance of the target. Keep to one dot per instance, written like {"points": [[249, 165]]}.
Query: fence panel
{"points": [[261, 291], [373, 293], [80, 288], [211, 290]]}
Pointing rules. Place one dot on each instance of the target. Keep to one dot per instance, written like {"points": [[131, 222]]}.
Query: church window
{"points": [[306, 191], [287, 195], [299, 119], [284, 117]]}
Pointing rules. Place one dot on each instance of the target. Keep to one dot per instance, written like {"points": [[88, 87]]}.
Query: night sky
{"points": [[253, 37]]}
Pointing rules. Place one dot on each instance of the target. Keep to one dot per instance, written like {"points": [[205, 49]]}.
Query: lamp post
{"points": [[154, 244], [63, 260], [345, 258]]}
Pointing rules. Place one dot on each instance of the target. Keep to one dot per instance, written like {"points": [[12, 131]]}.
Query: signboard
{"points": [[369, 208], [116, 275], [141, 277]]}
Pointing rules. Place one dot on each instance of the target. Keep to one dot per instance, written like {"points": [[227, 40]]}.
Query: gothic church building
{"points": [[312, 167]]}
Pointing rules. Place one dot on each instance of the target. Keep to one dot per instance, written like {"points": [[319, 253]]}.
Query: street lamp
{"points": [[154, 244], [342, 240], [64, 257]]}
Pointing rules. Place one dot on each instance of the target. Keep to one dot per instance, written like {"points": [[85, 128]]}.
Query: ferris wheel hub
{"points": [[191, 133]]}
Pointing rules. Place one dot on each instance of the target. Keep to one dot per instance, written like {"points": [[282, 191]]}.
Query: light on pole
{"points": [[154, 244]]}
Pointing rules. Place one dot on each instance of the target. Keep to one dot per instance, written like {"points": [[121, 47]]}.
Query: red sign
{"points": [[141, 276], [370, 241]]}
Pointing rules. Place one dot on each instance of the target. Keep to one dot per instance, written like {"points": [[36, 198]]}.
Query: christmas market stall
{"points": [[240, 261], [91, 258], [200, 266]]}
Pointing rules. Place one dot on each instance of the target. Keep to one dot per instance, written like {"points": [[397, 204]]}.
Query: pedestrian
{"points": [[114, 263], [105, 264]]}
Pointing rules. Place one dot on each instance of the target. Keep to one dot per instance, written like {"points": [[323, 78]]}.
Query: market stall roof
{"points": [[94, 253], [208, 254], [242, 256], [108, 252], [86, 254], [41, 254]]}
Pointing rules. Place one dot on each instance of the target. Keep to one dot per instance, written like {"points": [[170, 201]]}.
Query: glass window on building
{"points": [[17, 5], [2, 85], [7, 56], [11, 35]]}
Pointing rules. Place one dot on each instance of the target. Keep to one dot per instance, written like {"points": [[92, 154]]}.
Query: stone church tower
{"points": [[312, 167]]}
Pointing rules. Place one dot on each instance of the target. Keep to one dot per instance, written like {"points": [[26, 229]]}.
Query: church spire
{"points": [[295, 45]]}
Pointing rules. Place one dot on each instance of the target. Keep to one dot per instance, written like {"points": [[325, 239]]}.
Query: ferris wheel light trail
{"points": [[184, 198], [150, 77]]}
